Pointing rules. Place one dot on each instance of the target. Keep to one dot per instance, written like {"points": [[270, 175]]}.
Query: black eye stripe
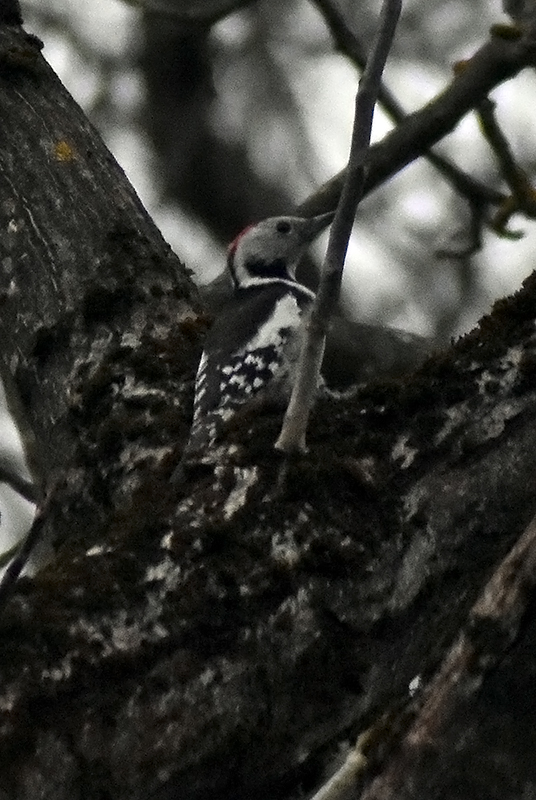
{"points": [[262, 269], [283, 227]]}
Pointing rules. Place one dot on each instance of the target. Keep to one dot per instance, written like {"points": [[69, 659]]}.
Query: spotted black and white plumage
{"points": [[254, 344]]}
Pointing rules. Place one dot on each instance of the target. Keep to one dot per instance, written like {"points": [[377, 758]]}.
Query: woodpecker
{"points": [[254, 344]]}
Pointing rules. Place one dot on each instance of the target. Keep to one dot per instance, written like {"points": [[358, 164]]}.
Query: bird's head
{"points": [[270, 250]]}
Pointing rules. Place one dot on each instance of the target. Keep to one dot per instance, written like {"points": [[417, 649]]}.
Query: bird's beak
{"points": [[313, 226]]}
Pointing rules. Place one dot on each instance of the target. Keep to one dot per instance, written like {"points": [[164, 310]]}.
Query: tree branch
{"points": [[292, 437], [523, 196], [349, 44], [496, 61], [192, 12], [21, 557]]}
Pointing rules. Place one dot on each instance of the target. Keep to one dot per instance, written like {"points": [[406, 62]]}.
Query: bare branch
{"points": [[30, 488], [27, 546], [473, 241], [10, 476], [496, 61], [349, 44], [292, 437], [523, 198], [193, 12]]}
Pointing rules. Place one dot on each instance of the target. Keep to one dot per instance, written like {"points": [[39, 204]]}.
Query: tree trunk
{"points": [[217, 640]]}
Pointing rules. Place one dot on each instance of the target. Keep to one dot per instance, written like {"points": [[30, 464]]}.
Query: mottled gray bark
{"points": [[86, 278], [215, 642]]}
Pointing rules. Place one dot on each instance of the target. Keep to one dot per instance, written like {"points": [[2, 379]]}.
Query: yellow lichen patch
{"points": [[63, 151], [460, 66], [503, 30]]}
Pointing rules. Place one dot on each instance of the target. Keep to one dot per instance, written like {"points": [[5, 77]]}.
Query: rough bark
{"points": [[214, 642]]}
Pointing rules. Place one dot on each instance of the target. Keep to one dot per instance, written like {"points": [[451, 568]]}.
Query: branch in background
{"points": [[12, 477], [192, 12], [27, 546], [31, 489], [350, 45], [292, 436], [498, 60], [7, 555], [477, 219], [523, 197]]}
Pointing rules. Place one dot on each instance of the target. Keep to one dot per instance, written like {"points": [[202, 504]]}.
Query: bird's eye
{"points": [[283, 226]]}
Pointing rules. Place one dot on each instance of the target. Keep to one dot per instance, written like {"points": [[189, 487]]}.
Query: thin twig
{"points": [[32, 489], [473, 242], [523, 196], [11, 575], [23, 486], [7, 555], [510, 170], [344, 781], [292, 436]]}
